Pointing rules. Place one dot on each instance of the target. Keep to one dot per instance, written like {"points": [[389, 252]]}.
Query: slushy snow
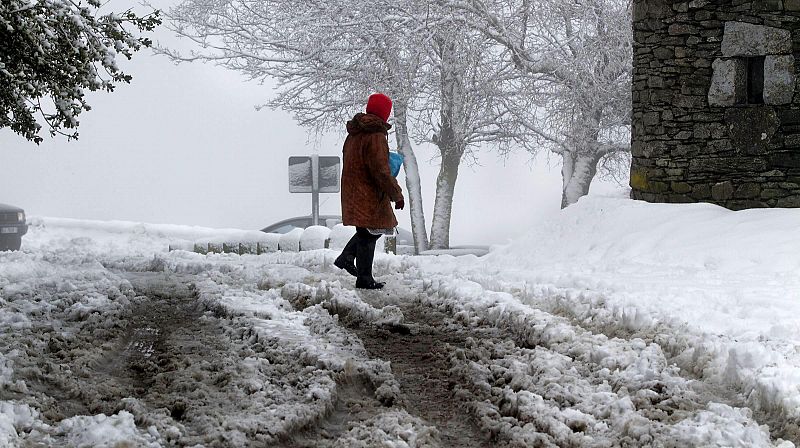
{"points": [[611, 303]]}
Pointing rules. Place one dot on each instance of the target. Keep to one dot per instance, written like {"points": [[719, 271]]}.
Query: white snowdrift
{"points": [[721, 287]]}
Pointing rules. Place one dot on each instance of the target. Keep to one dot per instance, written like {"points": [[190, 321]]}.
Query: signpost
{"points": [[314, 174]]}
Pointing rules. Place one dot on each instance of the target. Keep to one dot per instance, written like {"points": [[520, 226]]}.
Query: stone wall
{"points": [[716, 117]]}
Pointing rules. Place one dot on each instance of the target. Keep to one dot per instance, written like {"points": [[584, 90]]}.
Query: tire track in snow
{"points": [[681, 347], [420, 362], [190, 375], [619, 392]]}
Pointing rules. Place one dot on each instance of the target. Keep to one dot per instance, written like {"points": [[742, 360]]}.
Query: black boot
{"points": [[342, 263], [369, 284], [365, 251], [348, 255]]}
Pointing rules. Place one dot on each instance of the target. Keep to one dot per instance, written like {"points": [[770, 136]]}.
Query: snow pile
{"points": [[626, 237], [102, 431], [291, 240], [123, 237], [15, 418], [314, 237]]}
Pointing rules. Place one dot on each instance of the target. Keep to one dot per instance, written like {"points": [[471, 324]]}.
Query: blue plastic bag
{"points": [[395, 162]]}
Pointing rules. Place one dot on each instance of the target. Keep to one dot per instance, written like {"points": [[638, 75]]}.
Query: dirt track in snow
{"points": [[180, 368], [420, 358], [487, 385], [173, 364]]}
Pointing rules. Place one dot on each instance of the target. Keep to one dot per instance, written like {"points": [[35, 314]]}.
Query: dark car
{"points": [[12, 227], [404, 237]]}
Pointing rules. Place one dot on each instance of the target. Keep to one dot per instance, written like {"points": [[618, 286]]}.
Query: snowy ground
{"points": [[617, 323]]}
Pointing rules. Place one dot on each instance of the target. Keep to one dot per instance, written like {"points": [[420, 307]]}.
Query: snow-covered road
{"points": [[106, 341]]}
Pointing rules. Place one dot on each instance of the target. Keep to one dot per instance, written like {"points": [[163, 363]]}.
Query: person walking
{"points": [[368, 188]]}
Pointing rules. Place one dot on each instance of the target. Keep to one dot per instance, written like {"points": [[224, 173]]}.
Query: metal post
{"points": [[315, 189]]}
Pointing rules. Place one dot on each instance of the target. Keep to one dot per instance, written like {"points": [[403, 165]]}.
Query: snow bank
{"points": [[291, 240], [340, 235], [124, 237], [718, 289]]}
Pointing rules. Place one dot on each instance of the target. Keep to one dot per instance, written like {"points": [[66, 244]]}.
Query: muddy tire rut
{"points": [[193, 375], [420, 358]]}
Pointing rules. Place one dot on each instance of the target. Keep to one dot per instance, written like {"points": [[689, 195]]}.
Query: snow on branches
{"points": [[52, 52], [575, 64]]}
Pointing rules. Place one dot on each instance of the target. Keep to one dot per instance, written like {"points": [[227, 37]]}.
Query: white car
{"points": [[404, 237]]}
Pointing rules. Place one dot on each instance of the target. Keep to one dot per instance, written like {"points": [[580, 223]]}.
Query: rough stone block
{"points": [[792, 141], [771, 193], [701, 191], [651, 9], [785, 159], [747, 39], [679, 29], [790, 201], [727, 165], [779, 79], [741, 204], [664, 53], [658, 187], [638, 179], [751, 128], [680, 187], [790, 116], [728, 75], [747, 191], [722, 191], [696, 4], [690, 102], [655, 82], [791, 5], [768, 5], [650, 119]]}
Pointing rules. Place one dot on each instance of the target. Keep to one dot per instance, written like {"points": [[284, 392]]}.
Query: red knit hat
{"points": [[380, 105]]}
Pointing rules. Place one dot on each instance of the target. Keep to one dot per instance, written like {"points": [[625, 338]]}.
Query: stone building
{"points": [[715, 113]]}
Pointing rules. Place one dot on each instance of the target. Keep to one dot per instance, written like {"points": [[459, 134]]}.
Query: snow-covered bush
{"points": [[55, 50]]}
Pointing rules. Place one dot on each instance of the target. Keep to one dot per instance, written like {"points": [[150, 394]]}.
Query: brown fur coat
{"points": [[368, 188]]}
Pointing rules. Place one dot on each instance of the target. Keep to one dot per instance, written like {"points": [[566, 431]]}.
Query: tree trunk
{"points": [[450, 136], [413, 183], [577, 173], [443, 207]]}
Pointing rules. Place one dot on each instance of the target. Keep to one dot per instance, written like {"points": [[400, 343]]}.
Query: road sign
{"points": [[314, 174], [301, 174]]}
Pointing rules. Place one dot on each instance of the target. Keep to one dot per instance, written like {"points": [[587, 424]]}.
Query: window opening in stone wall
{"points": [[755, 80]]}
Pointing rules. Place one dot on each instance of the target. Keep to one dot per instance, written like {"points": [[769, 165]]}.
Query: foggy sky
{"points": [[184, 145]]}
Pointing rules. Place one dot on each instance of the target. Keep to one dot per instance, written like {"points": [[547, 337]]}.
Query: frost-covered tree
{"points": [[461, 108], [575, 62], [327, 57], [52, 52]]}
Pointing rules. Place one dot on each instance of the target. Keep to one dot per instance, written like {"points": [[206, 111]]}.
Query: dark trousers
{"points": [[361, 248]]}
